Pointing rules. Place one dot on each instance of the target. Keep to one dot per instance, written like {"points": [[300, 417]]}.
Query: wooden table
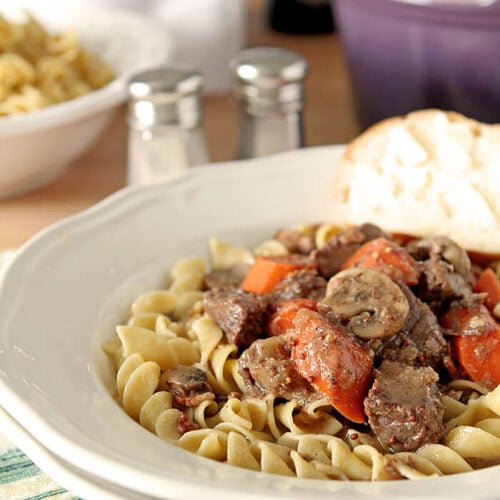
{"points": [[328, 118]]}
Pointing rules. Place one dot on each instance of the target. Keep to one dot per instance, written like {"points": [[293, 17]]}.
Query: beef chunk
{"points": [[188, 385], [404, 407], [267, 368], [372, 231], [304, 283], [447, 270], [340, 247], [241, 315], [444, 248], [440, 284], [226, 278], [421, 341], [295, 241], [185, 424], [482, 462]]}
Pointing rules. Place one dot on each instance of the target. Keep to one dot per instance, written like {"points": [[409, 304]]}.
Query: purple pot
{"points": [[403, 56]]}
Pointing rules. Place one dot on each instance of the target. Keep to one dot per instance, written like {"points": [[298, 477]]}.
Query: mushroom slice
{"points": [[367, 301]]}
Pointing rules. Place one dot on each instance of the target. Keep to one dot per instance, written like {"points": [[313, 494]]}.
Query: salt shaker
{"points": [[164, 118], [269, 87]]}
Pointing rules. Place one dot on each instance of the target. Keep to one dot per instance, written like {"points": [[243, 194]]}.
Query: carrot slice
{"points": [[489, 283], [388, 257], [267, 271], [333, 362], [468, 320], [479, 356], [281, 319], [477, 344]]}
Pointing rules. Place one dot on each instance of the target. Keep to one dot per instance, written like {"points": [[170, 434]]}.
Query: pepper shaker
{"points": [[164, 118], [269, 87]]}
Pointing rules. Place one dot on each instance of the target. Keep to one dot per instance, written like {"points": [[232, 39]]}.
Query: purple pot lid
{"points": [[452, 3], [474, 13]]}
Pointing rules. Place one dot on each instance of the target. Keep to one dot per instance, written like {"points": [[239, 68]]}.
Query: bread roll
{"points": [[424, 174]]}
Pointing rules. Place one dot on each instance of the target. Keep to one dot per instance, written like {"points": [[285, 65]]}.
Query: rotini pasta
{"points": [[38, 69], [180, 377]]}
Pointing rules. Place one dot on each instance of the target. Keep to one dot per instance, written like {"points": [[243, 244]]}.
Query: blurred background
{"points": [[211, 32], [367, 60]]}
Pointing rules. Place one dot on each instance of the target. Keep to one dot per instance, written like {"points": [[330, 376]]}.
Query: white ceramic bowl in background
{"points": [[65, 291], [36, 147]]}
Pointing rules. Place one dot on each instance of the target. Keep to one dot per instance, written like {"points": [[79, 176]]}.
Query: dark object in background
{"points": [[404, 56], [301, 16]]}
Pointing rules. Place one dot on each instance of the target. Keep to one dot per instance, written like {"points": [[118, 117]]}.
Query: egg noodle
{"points": [[38, 69], [169, 327]]}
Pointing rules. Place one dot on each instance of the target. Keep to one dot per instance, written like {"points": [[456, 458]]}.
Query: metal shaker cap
{"points": [[168, 95], [269, 79]]}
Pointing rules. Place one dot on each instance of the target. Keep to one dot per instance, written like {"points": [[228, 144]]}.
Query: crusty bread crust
{"points": [[424, 174]]}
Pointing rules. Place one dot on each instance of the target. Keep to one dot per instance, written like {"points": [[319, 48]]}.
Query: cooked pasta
{"points": [[170, 339], [38, 68]]}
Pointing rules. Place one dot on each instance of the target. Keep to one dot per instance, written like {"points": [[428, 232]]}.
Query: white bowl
{"points": [[65, 291], [37, 146]]}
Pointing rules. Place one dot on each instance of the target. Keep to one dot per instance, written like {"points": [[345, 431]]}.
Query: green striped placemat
{"points": [[21, 479]]}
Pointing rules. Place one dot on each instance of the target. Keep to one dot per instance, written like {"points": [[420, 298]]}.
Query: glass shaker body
{"points": [[264, 135], [155, 154], [165, 134]]}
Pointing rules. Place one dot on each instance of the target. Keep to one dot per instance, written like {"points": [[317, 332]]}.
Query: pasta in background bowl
{"points": [[39, 144], [67, 289]]}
